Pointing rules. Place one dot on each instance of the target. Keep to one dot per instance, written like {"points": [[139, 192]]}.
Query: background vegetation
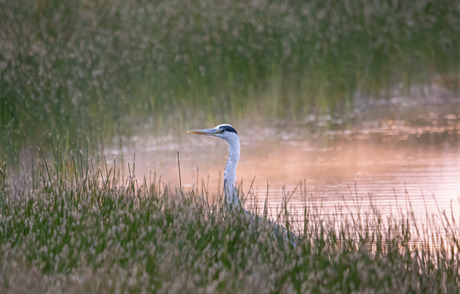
{"points": [[99, 69]]}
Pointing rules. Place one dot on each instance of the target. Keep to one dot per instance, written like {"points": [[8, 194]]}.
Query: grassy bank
{"points": [[99, 69], [85, 230]]}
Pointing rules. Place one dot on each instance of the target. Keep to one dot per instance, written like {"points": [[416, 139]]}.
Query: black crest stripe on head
{"points": [[228, 128]]}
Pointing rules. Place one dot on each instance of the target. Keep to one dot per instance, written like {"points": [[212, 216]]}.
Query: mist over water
{"points": [[397, 156]]}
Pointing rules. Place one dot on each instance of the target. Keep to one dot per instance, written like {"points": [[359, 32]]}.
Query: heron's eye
{"points": [[221, 131]]}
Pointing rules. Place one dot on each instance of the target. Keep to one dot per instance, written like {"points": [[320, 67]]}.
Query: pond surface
{"points": [[389, 154]]}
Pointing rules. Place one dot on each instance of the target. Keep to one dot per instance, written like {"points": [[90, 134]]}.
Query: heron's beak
{"points": [[207, 132]]}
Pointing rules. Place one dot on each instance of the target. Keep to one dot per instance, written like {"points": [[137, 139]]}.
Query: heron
{"points": [[228, 133]]}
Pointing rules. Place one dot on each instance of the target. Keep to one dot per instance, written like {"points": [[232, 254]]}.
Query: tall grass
{"points": [[99, 69], [86, 229]]}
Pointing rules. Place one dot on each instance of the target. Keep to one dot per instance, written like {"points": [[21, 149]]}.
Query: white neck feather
{"points": [[230, 190]]}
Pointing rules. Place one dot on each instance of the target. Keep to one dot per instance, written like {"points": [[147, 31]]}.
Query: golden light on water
{"points": [[388, 173], [391, 168]]}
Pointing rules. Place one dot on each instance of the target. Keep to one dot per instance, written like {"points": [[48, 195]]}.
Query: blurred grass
{"points": [[86, 229], [100, 69]]}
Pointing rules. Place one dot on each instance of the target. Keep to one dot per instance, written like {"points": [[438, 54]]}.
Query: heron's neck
{"points": [[230, 191]]}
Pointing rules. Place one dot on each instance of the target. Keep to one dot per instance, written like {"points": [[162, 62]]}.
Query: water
{"points": [[389, 155]]}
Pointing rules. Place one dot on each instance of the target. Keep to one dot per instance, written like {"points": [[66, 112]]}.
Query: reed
{"points": [[87, 228]]}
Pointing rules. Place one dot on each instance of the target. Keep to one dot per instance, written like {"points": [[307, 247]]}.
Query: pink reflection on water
{"points": [[392, 165], [388, 172]]}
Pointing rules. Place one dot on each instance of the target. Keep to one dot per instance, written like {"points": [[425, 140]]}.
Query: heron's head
{"points": [[225, 132]]}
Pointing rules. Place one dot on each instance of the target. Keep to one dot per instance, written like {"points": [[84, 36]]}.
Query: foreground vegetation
{"points": [[100, 69], [79, 229]]}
